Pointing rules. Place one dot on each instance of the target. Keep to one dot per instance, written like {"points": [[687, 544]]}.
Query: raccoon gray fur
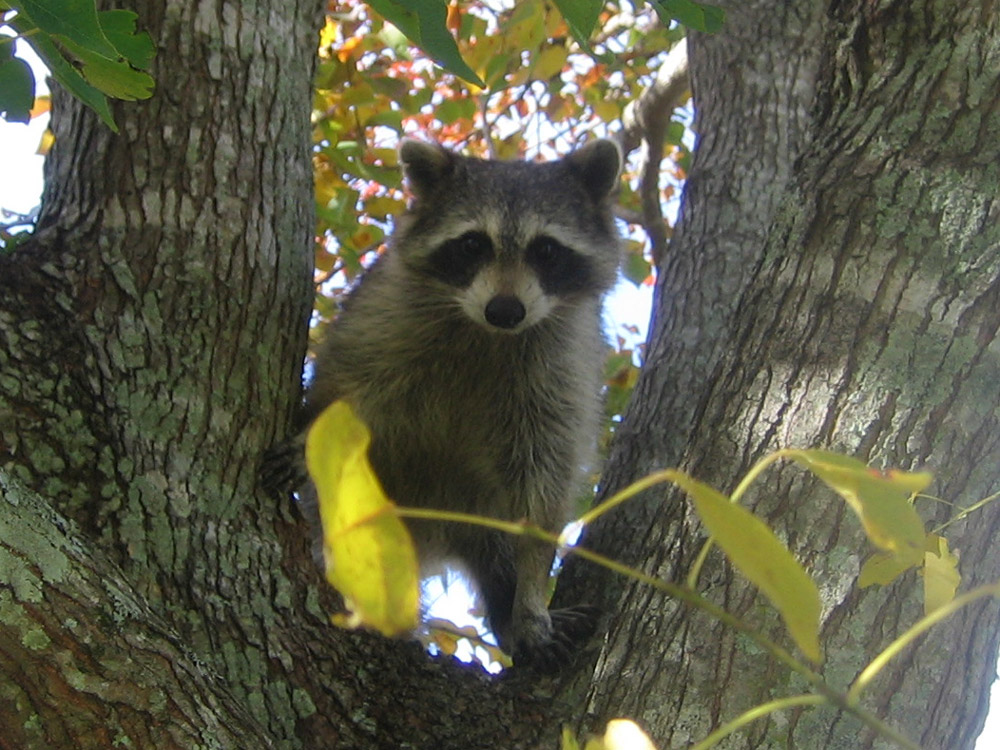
{"points": [[473, 351]]}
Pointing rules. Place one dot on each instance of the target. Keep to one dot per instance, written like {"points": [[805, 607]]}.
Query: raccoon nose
{"points": [[504, 311]]}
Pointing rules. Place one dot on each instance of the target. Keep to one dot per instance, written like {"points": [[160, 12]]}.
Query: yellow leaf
{"points": [[549, 62], [447, 642], [387, 157], [496, 654], [607, 110], [366, 238], [328, 183], [882, 568], [941, 576], [625, 734], [759, 555], [383, 206], [568, 741], [369, 555], [880, 500], [45, 144], [328, 36], [479, 54], [42, 105]]}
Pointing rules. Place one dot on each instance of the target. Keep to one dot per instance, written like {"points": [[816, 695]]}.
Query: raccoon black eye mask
{"points": [[560, 270], [458, 260], [473, 351]]}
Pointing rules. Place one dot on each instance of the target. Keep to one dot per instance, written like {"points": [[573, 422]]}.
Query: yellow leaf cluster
{"points": [[880, 500], [883, 503], [938, 566]]}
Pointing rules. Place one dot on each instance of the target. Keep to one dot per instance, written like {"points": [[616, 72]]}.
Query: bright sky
{"points": [[20, 165], [21, 188]]}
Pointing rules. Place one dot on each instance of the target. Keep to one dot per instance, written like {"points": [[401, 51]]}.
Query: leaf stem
{"points": [[748, 479], [519, 528], [674, 590], [876, 665], [755, 471], [658, 477], [689, 596], [755, 713], [966, 511]]}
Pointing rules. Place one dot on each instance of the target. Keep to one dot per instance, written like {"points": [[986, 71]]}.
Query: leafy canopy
{"points": [[94, 54]]}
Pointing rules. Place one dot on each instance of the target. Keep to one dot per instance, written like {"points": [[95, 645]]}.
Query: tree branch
{"points": [[645, 125], [65, 609]]}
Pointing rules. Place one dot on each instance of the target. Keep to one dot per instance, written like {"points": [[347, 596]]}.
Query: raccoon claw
{"points": [[575, 624], [281, 471], [571, 627]]}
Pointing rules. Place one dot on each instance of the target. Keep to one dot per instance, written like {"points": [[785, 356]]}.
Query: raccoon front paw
{"points": [[282, 468], [549, 646]]}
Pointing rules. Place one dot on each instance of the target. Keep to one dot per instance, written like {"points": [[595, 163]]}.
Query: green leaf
{"points": [[675, 133], [369, 555], [697, 16], [113, 77], [394, 88], [389, 118], [578, 16], [496, 72], [62, 71], [581, 17], [454, 109], [104, 45], [17, 85], [119, 26], [759, 555], [636, 268], [10, 241], [423, 22], [880, 500], [75, 20]]}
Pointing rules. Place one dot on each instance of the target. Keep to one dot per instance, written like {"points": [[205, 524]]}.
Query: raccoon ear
{"points": [[425, 165], [598, 164]]}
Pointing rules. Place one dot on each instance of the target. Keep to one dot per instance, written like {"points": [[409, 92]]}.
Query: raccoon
{"points": [[473, 351]]}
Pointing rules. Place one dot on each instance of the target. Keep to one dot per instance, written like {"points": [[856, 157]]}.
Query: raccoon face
{"points": [[508, 291], [510, 242]]}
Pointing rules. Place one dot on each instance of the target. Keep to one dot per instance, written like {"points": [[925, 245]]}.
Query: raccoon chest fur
{"points": [[483, 425]]}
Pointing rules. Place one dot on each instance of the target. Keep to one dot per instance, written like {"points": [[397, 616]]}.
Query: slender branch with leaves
{"points": [[373, 565]]}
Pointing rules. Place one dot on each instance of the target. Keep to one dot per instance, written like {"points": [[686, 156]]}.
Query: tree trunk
{"points": [[855, 308], [832, 284]]}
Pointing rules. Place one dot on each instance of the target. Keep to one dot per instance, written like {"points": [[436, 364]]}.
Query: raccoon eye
{"points": [[560, 270], [457, 260], [470, 246], [549, 254]]}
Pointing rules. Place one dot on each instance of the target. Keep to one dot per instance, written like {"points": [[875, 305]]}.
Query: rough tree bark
{"points": [[151, 340], [834, 282]]}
